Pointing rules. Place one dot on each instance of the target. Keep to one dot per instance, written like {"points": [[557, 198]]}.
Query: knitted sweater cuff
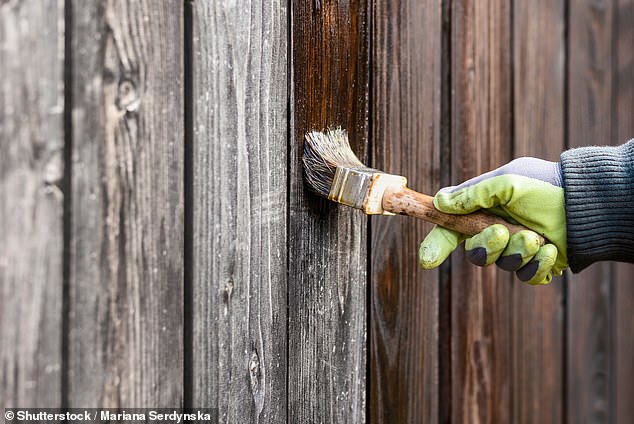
{"points": [[599, 192]]}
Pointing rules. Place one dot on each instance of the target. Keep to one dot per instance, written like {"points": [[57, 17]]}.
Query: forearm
{"points": [[599, 192]]}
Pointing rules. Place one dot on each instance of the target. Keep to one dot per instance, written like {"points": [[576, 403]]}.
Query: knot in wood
{"points": [[127, 96], [254, 364], [54, 169], [254, 370], [228, 291]]}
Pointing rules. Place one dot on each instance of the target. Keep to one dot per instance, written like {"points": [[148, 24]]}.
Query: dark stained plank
{"points": [[590, 345], [539, 108], [327, 243], [406, 69], [480, 344], [239, 203], [31, 202], [591, 348], [126, 272], [624, 339], [624, 273]]}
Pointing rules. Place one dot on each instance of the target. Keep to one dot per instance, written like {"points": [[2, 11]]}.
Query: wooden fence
{"points": [[158, 247]]}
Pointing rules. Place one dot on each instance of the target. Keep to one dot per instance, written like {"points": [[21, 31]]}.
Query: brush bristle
{"points": [[323, 153]]}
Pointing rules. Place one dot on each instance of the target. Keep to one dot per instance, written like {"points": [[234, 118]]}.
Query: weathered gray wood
{"points": [[406, 117], [239, 203], [538, 367], [31, 202], [481, 82], [126, 272], [327, 243]]}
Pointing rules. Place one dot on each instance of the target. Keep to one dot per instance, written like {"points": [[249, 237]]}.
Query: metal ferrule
{"points": [[363, 188], [350, 186]]}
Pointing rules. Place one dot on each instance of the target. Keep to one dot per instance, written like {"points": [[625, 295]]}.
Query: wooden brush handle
{"points": [[404, 201]]}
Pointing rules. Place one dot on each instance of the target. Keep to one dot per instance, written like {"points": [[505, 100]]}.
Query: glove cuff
{"points": [[599, 192]]}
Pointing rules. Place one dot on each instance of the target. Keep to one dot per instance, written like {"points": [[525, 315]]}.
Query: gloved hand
{"points": [[527, 191]]}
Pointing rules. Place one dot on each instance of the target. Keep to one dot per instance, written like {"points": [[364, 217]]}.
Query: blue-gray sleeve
{"points": [[599, 192]]}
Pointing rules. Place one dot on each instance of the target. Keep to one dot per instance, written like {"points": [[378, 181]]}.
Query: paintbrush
{"points": [[333, 171]]}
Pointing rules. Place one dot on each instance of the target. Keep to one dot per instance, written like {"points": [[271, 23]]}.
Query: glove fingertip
{"points": [[430, 256], [546, 280], [477, 256], [485, 247], [510, 262], [437, 246], [528, 271], [539, 271]]}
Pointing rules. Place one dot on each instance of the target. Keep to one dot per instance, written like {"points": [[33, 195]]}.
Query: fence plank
{"points": [[327, 243], [539, 108], [240, 209], [126, 276], [480, 351], [405, 138], [623, 80], [31, 202], [590, 296]]}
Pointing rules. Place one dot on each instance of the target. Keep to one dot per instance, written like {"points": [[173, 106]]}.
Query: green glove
{"points": [[527, 191]]}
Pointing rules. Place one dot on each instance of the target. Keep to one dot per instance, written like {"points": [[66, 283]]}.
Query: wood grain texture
{"points": [[31, 202], [591, 294], [623, 127], [240, 209], [126, 272], [327, 243], [480, 344], [405, 201], [624, 338], [538, 367], [406, 69]]}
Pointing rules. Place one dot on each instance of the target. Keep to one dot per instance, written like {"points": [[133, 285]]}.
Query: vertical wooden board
{"points": [[31, 202], [406, 90], [239, 204], [539, 109], [539, 54], [624, 339], [590, 298], [480, 352], [327, 243], [624, 273], [126, 272], [590, 345]]}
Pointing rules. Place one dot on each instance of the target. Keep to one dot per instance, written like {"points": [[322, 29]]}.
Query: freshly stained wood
{"points": [[538, 367], [179, 232], [239, 206], [327, 243], [591, 344], [480, 348], [405, 139], [31, 202], [126, 272]]}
